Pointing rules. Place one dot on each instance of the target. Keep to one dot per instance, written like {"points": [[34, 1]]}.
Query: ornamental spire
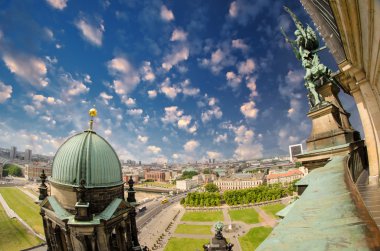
{"points": [[92, 112]]}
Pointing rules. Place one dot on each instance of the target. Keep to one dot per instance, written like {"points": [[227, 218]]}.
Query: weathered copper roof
{"points": [[86, 156]]}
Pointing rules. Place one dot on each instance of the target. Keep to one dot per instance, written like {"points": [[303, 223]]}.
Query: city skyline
{"points": [[172, 81]]}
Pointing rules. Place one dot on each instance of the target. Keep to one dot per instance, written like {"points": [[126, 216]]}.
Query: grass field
{"points": [[13, 235], [273, 209], [203, 216], [193, 229], [248, 215], [185, 244], [24, 207], [254, 237]]}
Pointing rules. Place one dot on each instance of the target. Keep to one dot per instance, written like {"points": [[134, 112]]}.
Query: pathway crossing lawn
{"points": [[254, 237], [23, 205], [273, 209], [193, 229], [248, 215], [13, 235], [203, 216], [185, 244]]}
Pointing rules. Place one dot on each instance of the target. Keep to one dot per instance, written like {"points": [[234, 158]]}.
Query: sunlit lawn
{"points": [[203, 216], [273, 209], [23, 205], [193, 229], [254, 237], [185, 244], [13, 235], [248, 215]]}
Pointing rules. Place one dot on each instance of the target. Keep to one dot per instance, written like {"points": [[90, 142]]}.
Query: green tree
{"points": [[211, 187], [13, 170]]}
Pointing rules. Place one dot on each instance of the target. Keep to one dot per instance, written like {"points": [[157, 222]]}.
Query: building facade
{"points": [[284, 177], [242, 181], [154, 175], [33, 171], [186, 185]]}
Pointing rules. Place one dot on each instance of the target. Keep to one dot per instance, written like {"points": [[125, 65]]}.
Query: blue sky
{"points": [[175, 81]]}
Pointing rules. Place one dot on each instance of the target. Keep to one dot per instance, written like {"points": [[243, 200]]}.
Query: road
{"points": [[153, 208]]}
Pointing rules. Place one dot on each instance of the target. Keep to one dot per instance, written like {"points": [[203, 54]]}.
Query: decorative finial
{"points": [[92, 112]]}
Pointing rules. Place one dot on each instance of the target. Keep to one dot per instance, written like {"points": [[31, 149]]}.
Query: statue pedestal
{"points": [[331, 134]]}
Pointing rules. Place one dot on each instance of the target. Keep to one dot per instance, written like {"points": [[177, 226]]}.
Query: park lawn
{"points": [[13, 235], [193, 229], [254, 237], [185, 244], [248, 215], [271, 210], [23, 205], [203, 216]]}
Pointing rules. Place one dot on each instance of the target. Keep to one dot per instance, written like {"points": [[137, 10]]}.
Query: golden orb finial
{"points": [[93, 112]]}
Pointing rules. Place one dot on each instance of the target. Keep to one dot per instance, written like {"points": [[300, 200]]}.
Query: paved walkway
{"points": [[269, 221], [12, 214], [32, 196]]}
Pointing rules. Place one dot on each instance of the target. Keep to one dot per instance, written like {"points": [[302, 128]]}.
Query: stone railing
{"points": [[357, 162]]}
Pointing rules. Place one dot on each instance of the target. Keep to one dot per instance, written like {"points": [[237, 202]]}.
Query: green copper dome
{"points": [[86, 156]]}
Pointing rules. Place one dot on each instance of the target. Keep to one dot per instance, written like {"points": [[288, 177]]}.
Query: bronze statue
{"points": [[305, 47]]}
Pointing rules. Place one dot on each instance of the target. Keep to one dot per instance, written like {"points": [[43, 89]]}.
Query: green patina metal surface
{"points": [[86, 156], [61, 213], [110, 210], [282, 213], [324, 218]]}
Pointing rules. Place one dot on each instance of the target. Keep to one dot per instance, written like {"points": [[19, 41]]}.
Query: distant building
{"points": [[284, 177], [33, 171], [135, 178], [240, 182], [28, 155], [187, 184], [13, 153], [294, 150], [155, 175]]}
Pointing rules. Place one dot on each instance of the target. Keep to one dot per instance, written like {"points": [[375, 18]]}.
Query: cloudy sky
{"points": [[173, 81]]}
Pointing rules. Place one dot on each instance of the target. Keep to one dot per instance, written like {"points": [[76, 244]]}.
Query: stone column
{"points": [[128, 233], [46, 230], [370, 135]]}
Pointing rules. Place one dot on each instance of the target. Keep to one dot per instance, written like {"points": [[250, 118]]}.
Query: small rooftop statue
{"points": [[305, 47]]}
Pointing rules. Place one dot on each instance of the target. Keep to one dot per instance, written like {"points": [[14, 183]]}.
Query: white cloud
{"points": [[147, 72], [233, 11], [38, 99], [214, 112], [130, 101], [166, 14], [251, 85], [5, 92], [57, 4], [169, 91], [177, 55], [135, 112], [239, 44], [249, 110], [190, 145], [187, 90], [29, 109], [221, 138], [93, 33], [214, 155], [246, 67], [184, 122], [105, 97], [74, 87], [142, 139], [27, 67], [220, 59], [152, 94], [178, 35], [233, 80], [294, 111], [246, 147], [172, 114], [126, 77], [154, 149], [108, 132]]}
